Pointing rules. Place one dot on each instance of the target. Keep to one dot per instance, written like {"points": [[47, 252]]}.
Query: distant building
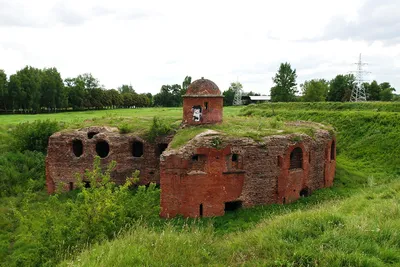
{"points": [[252, 99]]}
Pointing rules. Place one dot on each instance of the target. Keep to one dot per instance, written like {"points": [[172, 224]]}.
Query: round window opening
{"points": [[102, 149], [77, 147]]}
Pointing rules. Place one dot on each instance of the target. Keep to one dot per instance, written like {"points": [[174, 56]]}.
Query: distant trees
{"points": [[229, 95], [340, 88], [285, 84], [171, 95], [315, 90], [43, 90], [3, 90]]}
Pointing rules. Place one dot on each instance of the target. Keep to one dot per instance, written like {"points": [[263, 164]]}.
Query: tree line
{"points": [[33, 90], [317, 90]]}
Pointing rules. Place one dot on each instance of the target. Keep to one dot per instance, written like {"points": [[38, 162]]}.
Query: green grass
{"points": [[357, 231], [354, 223]]}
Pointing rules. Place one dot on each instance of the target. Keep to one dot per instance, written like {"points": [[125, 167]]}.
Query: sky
{"points": [[151, 43]]}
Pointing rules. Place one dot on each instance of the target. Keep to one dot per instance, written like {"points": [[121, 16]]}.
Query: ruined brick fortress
{"points": [[210, 174]]}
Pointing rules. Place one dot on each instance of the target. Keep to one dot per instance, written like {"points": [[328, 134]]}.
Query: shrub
{"points": [[158, 128], [66, 223], [21, 171], [34, 136], [125, 128]]}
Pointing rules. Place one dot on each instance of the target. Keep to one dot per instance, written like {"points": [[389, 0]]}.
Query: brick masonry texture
{"points": [[198, 179], [211, 173], [202, 103], [62, 163]]}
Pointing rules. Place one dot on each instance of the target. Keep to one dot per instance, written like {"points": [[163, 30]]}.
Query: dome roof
{"points": [[203, 87]]}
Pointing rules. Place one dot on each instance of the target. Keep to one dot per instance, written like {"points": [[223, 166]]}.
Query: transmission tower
{"points": [[237, 100], [358, 91]]}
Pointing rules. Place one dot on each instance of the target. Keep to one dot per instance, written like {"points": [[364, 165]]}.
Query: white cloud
{"points": [[151, 43]]}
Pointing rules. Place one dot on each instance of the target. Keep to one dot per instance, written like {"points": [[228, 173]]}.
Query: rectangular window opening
{"points": [[233, 205], [195, 158], [71, 186], [201, 210], [235, 157], [206, 105]]}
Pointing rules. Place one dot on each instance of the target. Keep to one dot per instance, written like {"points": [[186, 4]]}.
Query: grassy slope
{"points": [[355, 223]]}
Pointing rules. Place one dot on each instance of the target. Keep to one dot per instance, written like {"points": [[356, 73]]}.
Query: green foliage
{"points": [[158, 128], [386, 94], [340, 88], [229, 95], [285, 84], [3, 90], [125, 128], [185, 84], [315, 90], [21, 171], [34, 136], [169, 96], [216, 142], [352, 231], [340, 226], [44, 230]]}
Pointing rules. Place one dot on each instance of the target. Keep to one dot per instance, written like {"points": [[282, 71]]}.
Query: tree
{"points": [[123, 89], [185, 84], [340, 87], [373, 91], [285, 84], [169, 96], [229, 95], [386, 93], [52, 89], [3, 90], [315, 90], [115, 98], [25, 89]]}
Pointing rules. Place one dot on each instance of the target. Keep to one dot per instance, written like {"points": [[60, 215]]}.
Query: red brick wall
{"points": [[330, 163], [292, 181], [213, 114], [267, 176], [186, 184], [62, 164]]}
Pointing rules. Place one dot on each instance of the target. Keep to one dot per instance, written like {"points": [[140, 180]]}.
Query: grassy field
{"points": [[354, 223]]}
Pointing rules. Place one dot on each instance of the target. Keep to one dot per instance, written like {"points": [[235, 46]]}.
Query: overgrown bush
{"points": [[125, 128], [21, 171], [158, 128], [44, 232], [34, 136]]}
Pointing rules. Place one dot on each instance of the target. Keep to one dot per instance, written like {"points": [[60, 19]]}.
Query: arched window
{"points": [[102, 149], [77, 147], [333, 148], [296, 158]]}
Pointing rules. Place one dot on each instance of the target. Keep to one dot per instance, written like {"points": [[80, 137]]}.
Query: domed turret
{"points": [[202, 103], [203, 87]]}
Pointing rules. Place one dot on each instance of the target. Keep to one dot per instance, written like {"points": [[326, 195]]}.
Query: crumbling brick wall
{"points": [[73, 152], [263, 172]]}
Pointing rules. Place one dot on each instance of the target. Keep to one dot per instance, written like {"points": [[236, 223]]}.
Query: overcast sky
{"points": [[155, 42]]}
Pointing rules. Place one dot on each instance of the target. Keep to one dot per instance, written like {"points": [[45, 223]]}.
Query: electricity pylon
{"points": [[358, 92]]}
